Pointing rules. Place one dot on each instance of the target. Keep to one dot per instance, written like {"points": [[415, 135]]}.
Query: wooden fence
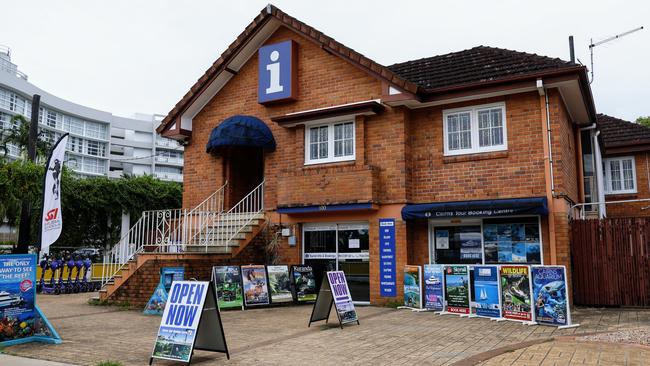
{"points": [[611, 262]]}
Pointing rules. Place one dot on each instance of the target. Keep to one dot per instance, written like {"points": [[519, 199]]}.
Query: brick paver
{"points": [[275, 336]]}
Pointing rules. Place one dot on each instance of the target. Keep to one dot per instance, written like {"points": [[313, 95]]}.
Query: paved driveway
{"points": [[277, 336]]}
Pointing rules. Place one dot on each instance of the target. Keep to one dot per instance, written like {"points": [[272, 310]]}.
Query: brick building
{"points": [[472, 157]]}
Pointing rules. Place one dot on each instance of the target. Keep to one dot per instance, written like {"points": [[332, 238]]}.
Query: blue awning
{"points": [[241, 130], [480, 208]]}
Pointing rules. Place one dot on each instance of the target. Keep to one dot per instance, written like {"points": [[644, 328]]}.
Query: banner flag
{"points": [[51, 219]]}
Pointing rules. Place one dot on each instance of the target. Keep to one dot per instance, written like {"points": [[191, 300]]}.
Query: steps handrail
{"points": [[219, 192]]}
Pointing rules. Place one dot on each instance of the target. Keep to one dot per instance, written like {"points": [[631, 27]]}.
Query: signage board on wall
{"points": [[254, 282], [279, 283], [278, 72], [457, 289], [486, 291], [304, 283], [550, 295], [157, 301], [433, 287], [413, 287], [227, 283], [21, 321], [515, 293], [387, 274]]}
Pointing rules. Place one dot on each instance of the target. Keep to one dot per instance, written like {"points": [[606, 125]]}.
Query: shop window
{"points": [[512, 241], [620, 175], [458, 244], [329, 143], [320, 240], [475, 129], [353, 238]]}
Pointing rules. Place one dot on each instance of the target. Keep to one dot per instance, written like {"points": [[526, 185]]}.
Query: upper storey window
{"points": [[330, 142], [475, 129], [620, 175]]}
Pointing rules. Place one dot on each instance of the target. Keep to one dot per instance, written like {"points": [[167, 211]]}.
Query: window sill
{"points": [[475, 157], [621, 196], [327, 165]]}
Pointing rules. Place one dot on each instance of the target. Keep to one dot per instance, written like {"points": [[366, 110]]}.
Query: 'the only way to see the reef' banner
{"points": [[515, 293], [457, 289], [412, 287], [486, 291], [433, 289]]}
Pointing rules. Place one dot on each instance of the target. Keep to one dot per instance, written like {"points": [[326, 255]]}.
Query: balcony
{"points": [[169, 160], [174, 177], [328, 185], [172, 144]]}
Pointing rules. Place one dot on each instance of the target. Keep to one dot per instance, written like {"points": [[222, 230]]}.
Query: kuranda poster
{"points": [[433, 287], [279, 283], [305, 283], [255, 285], [550, 295], [457, 289], [227, 282], [515, 293]]}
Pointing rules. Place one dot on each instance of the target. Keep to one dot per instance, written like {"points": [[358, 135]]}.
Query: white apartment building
{"points": [[100, 143]]}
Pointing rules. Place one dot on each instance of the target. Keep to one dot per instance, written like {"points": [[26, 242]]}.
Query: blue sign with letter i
{"points": [[277, 72]]}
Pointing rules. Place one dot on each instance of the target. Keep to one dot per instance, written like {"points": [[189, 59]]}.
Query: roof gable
{"points": [[616, 132]]}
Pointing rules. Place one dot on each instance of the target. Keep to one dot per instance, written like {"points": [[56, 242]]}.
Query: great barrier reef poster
{"points": [[550, 296], [412, 287]]}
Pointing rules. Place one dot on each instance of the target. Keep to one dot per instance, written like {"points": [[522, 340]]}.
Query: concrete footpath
{"points": [[23, 361]]}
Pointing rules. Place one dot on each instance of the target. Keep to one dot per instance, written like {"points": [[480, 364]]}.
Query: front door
{"points": [[244, 170]]}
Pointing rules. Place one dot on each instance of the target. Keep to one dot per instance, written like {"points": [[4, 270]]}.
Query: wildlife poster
{"points": [[550, 295], [457, 289], [279, 283], [433, 289], [486, 291], [515, 293], [20, 319], [304, 283], [254, 280], [227, 282], [412, 287]]}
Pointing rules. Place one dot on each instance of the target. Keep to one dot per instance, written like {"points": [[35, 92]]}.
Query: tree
{"points": [[644, 121], [18, 136]]}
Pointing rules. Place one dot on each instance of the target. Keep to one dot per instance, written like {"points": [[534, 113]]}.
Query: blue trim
{"points": [[325, 208], [479, 208]]}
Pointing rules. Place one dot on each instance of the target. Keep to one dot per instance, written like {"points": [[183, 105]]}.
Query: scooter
{"points": [[44, 266], [58, 286], [67, 288], [86, 285], [78, 264]]}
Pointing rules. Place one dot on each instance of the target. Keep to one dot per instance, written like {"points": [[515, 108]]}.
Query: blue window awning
{"points": [[239, 130], [480, 208]]}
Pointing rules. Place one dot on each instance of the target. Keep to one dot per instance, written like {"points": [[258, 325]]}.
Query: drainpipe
{"points": [[548, 167]]}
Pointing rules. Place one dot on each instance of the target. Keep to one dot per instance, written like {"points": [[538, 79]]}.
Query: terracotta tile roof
{"points": [[478, 64], [616, 132]]}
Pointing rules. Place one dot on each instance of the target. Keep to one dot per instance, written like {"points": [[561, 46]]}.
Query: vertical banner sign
{"points": [[457, 289], [51, 219], [387, 274], [304, 283], [433, 290], [278, 72], [279, 284], [413, 287], [254, 280], [227, 282], [191, 320], [550, 295], [342, 298], [157, 301], [486, 291], [20, 319], [515, 293]]}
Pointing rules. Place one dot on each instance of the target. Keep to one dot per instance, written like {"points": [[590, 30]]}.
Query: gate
{"points": [[611, 262]]}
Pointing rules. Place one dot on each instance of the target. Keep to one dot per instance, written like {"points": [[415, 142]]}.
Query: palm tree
{"points": [[18, 136]]}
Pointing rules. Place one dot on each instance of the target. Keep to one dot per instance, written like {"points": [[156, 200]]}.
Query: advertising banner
{"points": [[156, 304], [20, 319], [51, 218], [304, 282], [433, 287], [342, 298], [550, 295], [227, 282], [387, 272], [457, 289], [412, 287], [515, 293], [254, 282], [486, 291], [279, 283]]}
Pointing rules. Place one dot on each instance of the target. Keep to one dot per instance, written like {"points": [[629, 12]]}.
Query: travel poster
{"points": [[227, 282], [180, 321], [279, 283], [470, 245], [457, 289], [433, 289], [254, 282], [515, 293], [412, 287], [342, 297], [304, 282], [486, 291], [550, 295]]}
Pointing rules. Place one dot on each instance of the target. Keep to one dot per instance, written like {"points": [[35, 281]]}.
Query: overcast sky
{"points": [[127, 56]]}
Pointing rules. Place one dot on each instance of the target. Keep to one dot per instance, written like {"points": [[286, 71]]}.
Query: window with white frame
{"points": [[330, 142], [620, 175], [475, 129]]}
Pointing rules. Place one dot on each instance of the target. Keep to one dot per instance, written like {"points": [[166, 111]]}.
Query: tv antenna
{"points": [[592, 45]]}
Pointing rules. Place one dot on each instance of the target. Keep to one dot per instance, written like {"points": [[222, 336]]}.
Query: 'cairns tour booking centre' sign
{"points": [[278, 72]]}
